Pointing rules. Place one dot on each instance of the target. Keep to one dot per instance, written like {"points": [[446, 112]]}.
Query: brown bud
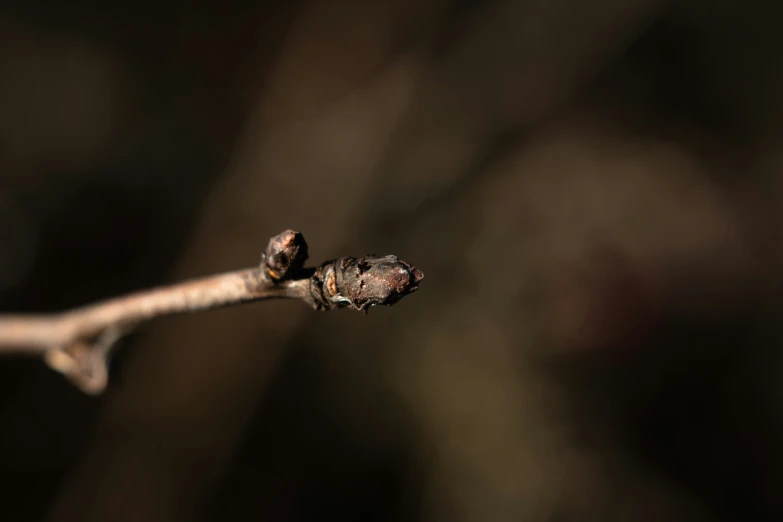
{"points": [[284, 255], [363, 282]]}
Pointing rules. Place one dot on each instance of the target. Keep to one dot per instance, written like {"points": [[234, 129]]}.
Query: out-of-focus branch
{"points": [[78, 343]]}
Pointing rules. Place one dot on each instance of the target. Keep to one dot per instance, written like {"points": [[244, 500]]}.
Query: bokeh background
{"points": [[592, 190]]}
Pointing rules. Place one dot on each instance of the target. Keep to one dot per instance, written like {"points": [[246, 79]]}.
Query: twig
{"points": [[78, 343]]}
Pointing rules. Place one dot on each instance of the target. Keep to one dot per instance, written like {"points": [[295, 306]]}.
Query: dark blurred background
{"points": [[591, 188]]}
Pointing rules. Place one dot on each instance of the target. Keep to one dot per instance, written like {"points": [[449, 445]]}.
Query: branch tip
{"points": [[78, 343]]}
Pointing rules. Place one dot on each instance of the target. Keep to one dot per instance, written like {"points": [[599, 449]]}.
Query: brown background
{"points": [[591, 189]]}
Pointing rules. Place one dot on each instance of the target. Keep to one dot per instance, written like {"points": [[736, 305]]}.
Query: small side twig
{"points": [[78, 343]]}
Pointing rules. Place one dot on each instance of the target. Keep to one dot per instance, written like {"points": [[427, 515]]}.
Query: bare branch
{"points": [[78, 343]]}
